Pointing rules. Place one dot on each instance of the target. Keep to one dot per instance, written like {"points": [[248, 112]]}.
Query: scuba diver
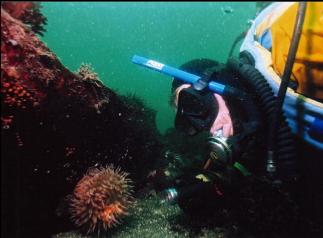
{"points": [[263, 101]]}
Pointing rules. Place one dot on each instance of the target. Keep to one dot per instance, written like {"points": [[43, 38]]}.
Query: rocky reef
{"points": [[55, 124], [27, 12]]}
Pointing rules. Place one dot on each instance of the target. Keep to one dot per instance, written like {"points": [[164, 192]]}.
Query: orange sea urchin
{"points": [[101, 198]]}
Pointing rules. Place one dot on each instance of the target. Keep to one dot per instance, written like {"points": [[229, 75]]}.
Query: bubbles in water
{"points": [[227, 9]]}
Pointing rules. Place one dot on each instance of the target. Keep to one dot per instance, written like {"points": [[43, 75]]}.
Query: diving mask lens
{"points": [[196, 111], [190, 104]]}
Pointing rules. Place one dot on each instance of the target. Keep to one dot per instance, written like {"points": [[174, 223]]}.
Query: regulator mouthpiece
{"points": [[219, 149]]}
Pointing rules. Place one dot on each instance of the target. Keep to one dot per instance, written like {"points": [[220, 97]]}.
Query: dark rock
{"points": [[55, 125]]}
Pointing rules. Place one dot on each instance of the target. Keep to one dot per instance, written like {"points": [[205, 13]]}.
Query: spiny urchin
{"points": [[101, 198]]}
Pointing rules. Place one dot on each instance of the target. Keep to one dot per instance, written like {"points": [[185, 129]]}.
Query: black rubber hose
{"points": [[286, 77], [240, 37], [285, 145]]}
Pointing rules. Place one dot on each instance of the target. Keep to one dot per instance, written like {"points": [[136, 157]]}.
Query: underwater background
{"points": [[108, 34], [66, 133]]}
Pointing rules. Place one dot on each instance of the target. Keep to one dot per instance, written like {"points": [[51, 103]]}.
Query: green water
{"points": [[108, 34]]}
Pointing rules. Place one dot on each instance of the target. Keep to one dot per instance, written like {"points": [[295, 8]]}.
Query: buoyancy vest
{"points": [[268, 42]]}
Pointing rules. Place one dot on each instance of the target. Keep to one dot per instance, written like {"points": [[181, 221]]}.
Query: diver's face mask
{"points": [[196, 111]]}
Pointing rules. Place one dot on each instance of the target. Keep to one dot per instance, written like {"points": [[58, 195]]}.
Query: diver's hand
{"points": [[223, 120]]}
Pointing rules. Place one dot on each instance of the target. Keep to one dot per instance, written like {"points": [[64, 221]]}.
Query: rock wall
{"points": [[55, 124]]}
